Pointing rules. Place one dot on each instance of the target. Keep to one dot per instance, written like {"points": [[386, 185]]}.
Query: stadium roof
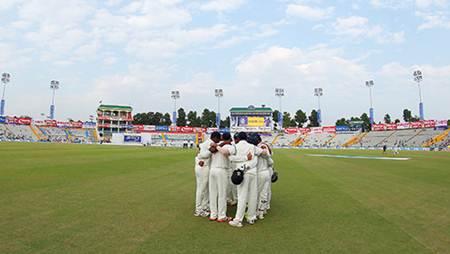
{"points": [[114, 107], [251, 109]]}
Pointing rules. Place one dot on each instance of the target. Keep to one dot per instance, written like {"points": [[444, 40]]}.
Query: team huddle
{"points": [[233, 172]]}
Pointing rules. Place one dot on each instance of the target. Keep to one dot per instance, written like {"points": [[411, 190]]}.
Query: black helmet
{"points": [[238, 176], [274, 176], [253, 139]]}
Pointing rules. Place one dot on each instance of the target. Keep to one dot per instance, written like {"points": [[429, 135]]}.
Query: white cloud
{"points": [[12, 58], [391, 4], [308, 12], [249, 32], [433, 20], [160, 13], [299, 71], [221, 5], [357, 27], [424, 4]]}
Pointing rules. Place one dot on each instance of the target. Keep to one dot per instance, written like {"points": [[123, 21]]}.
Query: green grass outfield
{"points": [[105, 199]]}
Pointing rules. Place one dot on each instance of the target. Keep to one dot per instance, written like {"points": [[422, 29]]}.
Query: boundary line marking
{"points": [[359, 157]]}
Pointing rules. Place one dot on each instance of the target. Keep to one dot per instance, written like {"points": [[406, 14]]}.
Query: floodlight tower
{"points": [[370, 84], [175, 95], [279, 92], [219, 94], [5, 80], [54, 85], [418, 77], [318, 92]]}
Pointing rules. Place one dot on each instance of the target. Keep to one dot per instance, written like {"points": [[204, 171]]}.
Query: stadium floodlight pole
{"points": [[219, 94], [54, 85], [370, 84], [318, 92], [5, 80], [175, 95], [279, 92], [418, 77]]}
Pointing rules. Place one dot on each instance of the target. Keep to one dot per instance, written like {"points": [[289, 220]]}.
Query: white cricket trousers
{"points": [[232, 189], [264, 178], [201, 193], [247, 192], [218, 185]]}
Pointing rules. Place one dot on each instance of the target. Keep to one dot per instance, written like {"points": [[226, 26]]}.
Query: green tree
{"points": [[387, 118], [181, 117], [225, 123], [140, 118], [193, 120], [275, 119], [342, 122], [313, 119], [288, 121], [157, 118], [407, 115], [208, 118], [366, 122], [165, 119], [301, 118]]}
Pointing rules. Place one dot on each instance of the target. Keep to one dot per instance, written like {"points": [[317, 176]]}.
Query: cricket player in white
{"points": [[232, 189], [264, 180], [218, 179], [246, 155], [202, 168], [201, 193]]}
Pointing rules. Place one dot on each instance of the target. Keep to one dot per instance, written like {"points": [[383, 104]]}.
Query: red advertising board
{"points": [[441, 123], [23, 121], [391, 126], [39, 122], [429, 123], [316, 130], [77, 125], [291, 130], [51, 123], [416, 125], [378, 127], [329, 129], [138, 127], [403, 126], [18, 120]]}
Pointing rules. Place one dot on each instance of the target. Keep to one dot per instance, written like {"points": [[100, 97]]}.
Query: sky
{"points": [[136, 52]]}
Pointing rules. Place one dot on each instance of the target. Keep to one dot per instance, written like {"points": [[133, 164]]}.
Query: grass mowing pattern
{"points": [[103, 199]]}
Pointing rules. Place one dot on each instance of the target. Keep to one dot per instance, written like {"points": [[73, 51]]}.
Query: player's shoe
{"points": [[212, 218], [251, 221], [226, 219], [261, 216], [235, 223], [204, 213]]}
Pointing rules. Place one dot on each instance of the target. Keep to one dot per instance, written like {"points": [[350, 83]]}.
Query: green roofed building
{"points": [[251, 110], [114, 119]]}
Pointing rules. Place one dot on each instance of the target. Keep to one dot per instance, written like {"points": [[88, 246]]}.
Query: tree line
{"points": [[207, 119]]}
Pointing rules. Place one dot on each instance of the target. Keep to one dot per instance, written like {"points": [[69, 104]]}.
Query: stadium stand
{"points": [[316, 140], [55, 134], [284, 140], [428, 138], [340, 139], [21, 133], [373, 139]]}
